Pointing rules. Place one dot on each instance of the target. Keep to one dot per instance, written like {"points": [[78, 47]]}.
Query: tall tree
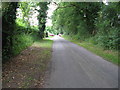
{"points": [[42, 17], [76, 18], [8, 25]]}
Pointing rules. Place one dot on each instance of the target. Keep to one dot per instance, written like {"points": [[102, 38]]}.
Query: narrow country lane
{"points": [[74, 67]]}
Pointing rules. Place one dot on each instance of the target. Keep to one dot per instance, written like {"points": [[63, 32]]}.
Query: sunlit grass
{"points": [[45, 43]]}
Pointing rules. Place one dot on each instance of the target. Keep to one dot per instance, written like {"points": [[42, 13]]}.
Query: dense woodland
{"points": [[17, 32], [92, 21]]}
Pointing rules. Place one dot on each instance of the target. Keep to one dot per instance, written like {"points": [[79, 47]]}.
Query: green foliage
{"points": [[25, 8], [76, 18], [8, 27], [18, 33], [110, 55], [95, 22], [23, 38], [108, 26], [42, 17], [20, 22], [50, 30], [21, 42]]}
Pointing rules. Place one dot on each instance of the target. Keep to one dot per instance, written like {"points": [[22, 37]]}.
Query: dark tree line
{"points": [[15, 38], [8, 27], [42, 18]]}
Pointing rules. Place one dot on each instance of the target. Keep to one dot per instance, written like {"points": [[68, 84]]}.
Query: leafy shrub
{"points": [[21, 42], [23, 38], [92, 40], [107, 27]]}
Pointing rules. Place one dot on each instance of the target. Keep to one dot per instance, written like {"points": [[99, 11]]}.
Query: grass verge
{"points": [[27, 70], [109, 55]]}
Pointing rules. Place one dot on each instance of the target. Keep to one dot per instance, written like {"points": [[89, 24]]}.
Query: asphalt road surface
{"points": [[73, 66]]}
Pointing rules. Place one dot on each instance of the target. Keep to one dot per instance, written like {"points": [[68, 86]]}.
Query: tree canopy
{"points": [[24, 22], [17, 29], [84, 20]]}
